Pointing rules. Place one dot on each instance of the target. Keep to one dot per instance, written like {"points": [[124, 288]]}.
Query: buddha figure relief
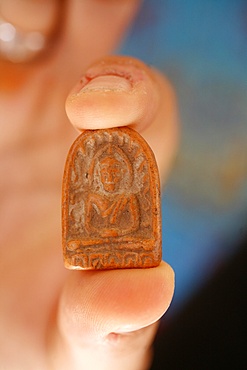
{"points": [[110, 205], [111, 209]]}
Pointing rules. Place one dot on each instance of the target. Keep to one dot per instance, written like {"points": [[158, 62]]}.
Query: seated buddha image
{"points": [[112, 210]]}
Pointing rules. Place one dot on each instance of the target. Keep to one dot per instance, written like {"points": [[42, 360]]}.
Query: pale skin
{"points": [[51, 318]]}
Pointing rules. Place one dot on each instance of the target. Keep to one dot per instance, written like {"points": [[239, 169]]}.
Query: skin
{"points": [[51, 318]]}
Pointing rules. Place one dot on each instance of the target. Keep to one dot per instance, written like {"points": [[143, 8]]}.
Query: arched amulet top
{"points": [[111, 202]]}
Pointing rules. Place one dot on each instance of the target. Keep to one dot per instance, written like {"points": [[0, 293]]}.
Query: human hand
{"points": [[51, 318]]}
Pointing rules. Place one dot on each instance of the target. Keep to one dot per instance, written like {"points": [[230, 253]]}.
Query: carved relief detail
{"points": [[110, 195]]}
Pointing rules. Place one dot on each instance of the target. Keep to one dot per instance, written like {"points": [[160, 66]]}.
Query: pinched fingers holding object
{"points": [[106, 319]]}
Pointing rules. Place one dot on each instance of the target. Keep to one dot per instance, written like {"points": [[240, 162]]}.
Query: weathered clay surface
{"points": [[111, 202]]}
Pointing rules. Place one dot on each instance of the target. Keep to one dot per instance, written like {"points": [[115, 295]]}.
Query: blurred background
{"points": [[202, 47]]}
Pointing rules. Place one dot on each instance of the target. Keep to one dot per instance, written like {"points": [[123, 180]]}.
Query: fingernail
{"points": [[110, 77], [113, 89], [105, 84]]}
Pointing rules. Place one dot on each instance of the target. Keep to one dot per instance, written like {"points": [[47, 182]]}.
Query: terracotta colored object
{"points": [[111, 202]]}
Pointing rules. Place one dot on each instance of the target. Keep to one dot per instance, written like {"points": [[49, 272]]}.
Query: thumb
{"points": [[106, 318]]}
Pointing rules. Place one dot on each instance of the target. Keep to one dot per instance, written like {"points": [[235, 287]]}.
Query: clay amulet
{"points": [[111, 202]]}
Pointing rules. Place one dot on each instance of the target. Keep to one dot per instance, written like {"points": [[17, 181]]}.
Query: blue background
{"points": [[201, 45]]}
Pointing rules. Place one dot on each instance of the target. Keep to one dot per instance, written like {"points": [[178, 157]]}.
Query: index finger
{"points": [[121, 91]]}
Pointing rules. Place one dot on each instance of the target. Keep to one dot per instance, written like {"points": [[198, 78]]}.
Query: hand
{"points": [[51, 318]]}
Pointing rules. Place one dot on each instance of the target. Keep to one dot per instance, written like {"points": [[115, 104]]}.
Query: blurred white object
{"points": [[18, 46]]}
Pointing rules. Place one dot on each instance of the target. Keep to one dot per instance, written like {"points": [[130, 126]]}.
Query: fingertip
{"points": [[115, 91], [95, 304]]}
